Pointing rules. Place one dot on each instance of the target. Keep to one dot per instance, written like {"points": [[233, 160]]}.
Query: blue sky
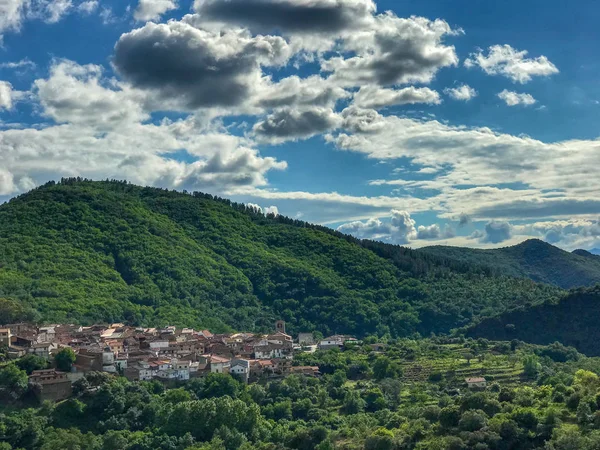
{"points": [[419, 123]]}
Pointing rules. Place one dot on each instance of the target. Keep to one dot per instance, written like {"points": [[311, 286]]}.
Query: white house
{"points": [[219, 364], [183, 369], [332, 342], [476, 382], [158, 344], [241, 368]]}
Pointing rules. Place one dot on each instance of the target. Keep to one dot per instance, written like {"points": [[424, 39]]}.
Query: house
{"points": [[270, 351], [476, 382], [306, 339], [139, 371], [42, 349], [182, 369], [5, 336], [46, 334], [241, 369], [261, 368], [330, 342], [50, 384], [219, 364]]}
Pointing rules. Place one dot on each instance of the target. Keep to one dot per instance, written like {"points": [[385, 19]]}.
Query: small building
{"points": [[219, 364], [240, 368], [5, 336], [330, 342], [306, 339], [476, 382], [50, 384]]}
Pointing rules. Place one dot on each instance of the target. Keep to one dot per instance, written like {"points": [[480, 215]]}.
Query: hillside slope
{"points": [[573, 321], [110, 251], [533, 259]]}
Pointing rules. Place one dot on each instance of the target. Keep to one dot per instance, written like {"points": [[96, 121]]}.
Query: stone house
{"points": [[476, 382], [50, 384]]}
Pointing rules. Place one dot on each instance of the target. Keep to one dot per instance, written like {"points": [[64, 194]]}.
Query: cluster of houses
{"points": [[167, 354]]}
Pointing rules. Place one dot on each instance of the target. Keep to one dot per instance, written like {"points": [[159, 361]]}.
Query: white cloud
{"points": [[463, 92], [11, 15], [376, 97], [75, 94], [88, 7], [506, 61], [272, 210], [101, 134], [6, 95], [399, 229], [153, 9], [512, 98], [393, 51], [24, 63], [55, 10], [557, 178]]}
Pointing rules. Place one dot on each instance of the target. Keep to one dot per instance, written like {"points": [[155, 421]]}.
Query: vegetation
{"points": [[351, 407], [534, 259], [571, 321], [83, 251]]}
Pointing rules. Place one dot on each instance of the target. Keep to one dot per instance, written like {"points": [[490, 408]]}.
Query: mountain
{"points": [[587, 254], [84, 251], [573, 321], [595, 251], [534, 259]]}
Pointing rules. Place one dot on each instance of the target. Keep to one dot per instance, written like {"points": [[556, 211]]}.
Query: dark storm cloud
{"points": [[196, 67], [289, 123], [296, 16]]}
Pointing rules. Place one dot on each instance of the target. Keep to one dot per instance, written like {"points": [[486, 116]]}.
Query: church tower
{"points": [[280, 326]]}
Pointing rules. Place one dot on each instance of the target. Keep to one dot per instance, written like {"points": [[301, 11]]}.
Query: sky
{"points": [[462, 122]]}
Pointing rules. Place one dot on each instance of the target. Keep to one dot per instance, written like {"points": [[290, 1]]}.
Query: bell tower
{"points": [[280, 326]]}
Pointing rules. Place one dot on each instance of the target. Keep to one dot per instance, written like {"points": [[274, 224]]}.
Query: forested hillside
{"points": [[533, 259], [110, 251], [573, 321]]}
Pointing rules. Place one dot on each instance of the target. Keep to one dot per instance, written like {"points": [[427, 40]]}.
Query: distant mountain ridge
{"points": [[533, 259]]}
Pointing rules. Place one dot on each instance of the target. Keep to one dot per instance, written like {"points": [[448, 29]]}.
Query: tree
{"points": [[29, 363], [472, 421], [13, 381], [384, 367], [531, 366], [353, 404], [64, 359]]}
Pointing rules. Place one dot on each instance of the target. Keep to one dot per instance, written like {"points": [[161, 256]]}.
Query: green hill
{"points": [[532, 259], [88, 251], [573, 321]]}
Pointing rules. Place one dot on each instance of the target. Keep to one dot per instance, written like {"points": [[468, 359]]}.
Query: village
{"points": [[169, 354]]}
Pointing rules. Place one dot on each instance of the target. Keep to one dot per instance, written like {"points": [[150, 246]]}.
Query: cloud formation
{"points": [[496, 232], [295, 16], [376, 97], [512, 98], [290, 124], [6, 95], [153, 9], [463, 93], [196, 68], [510, 63], [394, 51]]}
